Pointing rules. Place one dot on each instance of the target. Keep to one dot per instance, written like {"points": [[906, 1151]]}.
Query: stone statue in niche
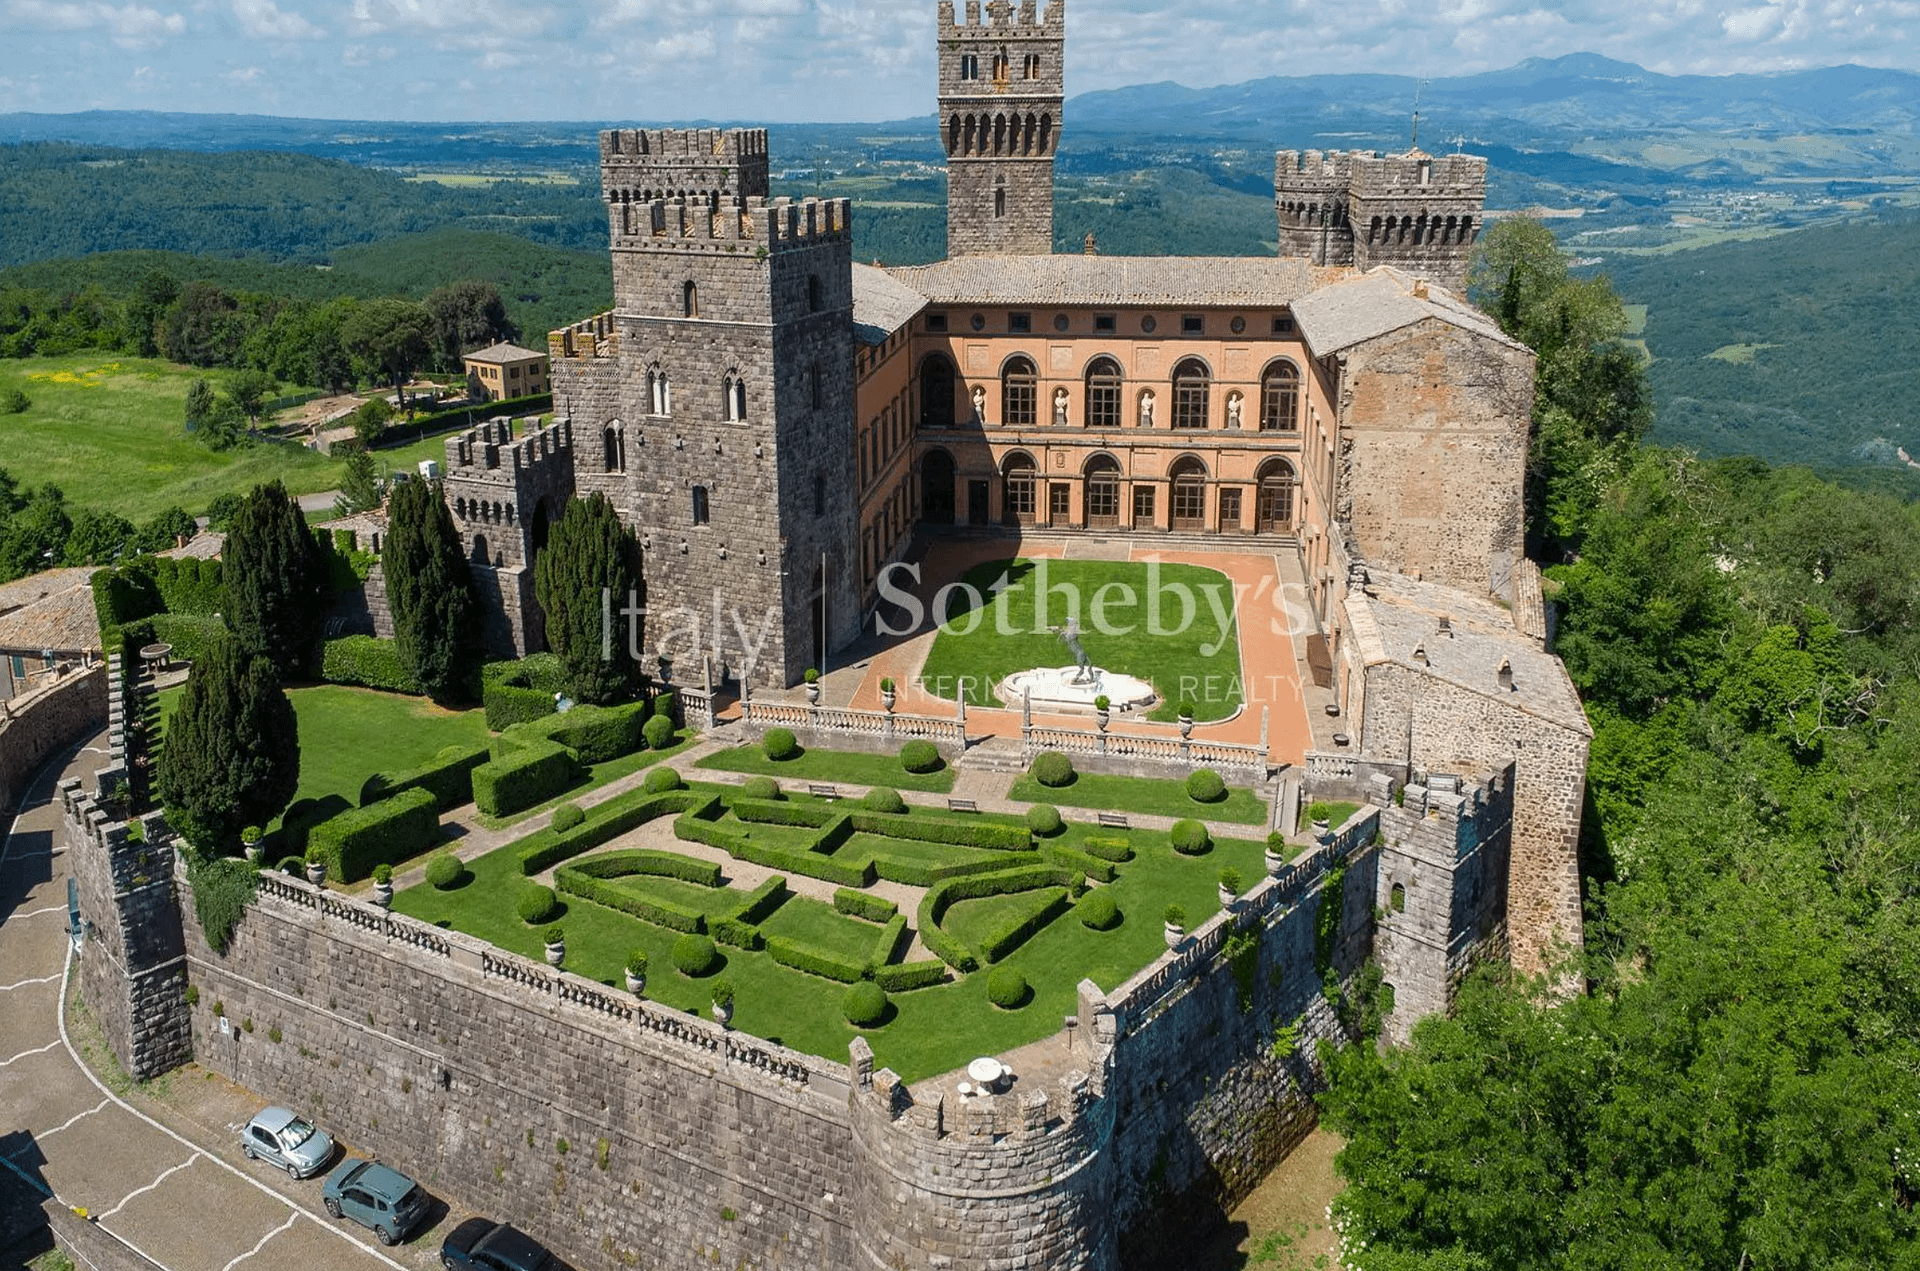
{"points": [[1146, 409], [1060, 408], [980, 405], [1233, 410]]}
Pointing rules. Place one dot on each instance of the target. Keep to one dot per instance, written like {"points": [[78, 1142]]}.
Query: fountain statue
{"points": [[1074, 688], [1070, 636]]}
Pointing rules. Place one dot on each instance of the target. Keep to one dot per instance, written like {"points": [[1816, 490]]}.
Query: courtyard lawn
{"points": [[110, 432], [836, 766], [1171, 625], [598, 775], [1143, 795], [932, 1030]]}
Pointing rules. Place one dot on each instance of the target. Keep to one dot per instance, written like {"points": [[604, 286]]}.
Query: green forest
{"points": [[1737, 1086]]}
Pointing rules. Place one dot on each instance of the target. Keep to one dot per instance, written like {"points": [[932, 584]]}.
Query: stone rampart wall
{"points": [[38, 727]]}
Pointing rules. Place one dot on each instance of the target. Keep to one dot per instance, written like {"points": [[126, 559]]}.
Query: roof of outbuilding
{"points": [[1357, 309], [53, 610], [206, 545], [881, 305], [1142, 281], [502, 353]]}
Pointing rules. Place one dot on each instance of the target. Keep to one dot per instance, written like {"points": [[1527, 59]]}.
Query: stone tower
{"points": [[1419, 212], [1001, 89], [505, 489], [715, 404]]}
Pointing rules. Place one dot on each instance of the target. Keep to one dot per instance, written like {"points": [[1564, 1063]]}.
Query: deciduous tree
{"points": [[466, 316], [391, 339]]}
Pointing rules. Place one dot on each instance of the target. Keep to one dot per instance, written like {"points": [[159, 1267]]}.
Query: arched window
{"points": [[1191, 394], [699, 505], [1000, 203], [1000, 67], [813, 293], [659, 392], [1398, 901], [1273, 509], [615, 448], [1189, 494], [733, 398], [969, 66], [936, 391], [953, 134], [1103, 492], [1103, 393], [1033, 66], [1046, 134], [1018, 504], [1280, 398], [690, 300], [480, 554], [1019, 387]]}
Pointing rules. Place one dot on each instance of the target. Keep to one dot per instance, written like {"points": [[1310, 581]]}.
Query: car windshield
{"points": [[296, 1132]]}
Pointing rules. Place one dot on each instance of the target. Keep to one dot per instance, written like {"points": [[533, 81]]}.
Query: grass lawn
{"points": [[837, 766], [931, 1030], [597, 775], [1144, 795], [109, 431], [973, 921], [1120, 606]]}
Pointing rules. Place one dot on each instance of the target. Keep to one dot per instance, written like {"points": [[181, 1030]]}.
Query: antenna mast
{"points": [[1418, 84]]}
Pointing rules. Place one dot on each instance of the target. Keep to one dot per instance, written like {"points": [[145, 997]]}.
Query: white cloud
{"points": [[263, 20], [245, 74], [130, 25]]}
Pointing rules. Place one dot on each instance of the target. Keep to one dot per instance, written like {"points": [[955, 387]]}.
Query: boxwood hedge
{"points": [[524, 778], [1091, 866], [387, 832], [608, 821], [903, 976], [448, 776], [953, 951], [888, 940], [814, 961], [862, 904], [594, 734]]}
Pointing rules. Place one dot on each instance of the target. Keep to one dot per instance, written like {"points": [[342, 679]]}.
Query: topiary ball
{"points": [[1043, 818], [663, 706], [445, 870], [1052, 769], [780, 743], [1204, 785], [865, 1004], [658, 731], [1007, 988], [921, 756], [539, 905], [565, 817], [295, 865], [695, 955], [1190, 838], [663, 780], [1098, 910], [760, 788], [881, 799]]}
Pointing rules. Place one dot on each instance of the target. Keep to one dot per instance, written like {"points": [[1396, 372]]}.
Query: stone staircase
{"points": [[995, 754]]}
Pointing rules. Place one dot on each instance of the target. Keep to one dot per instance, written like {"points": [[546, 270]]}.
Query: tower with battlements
{"points": [[1417, 211], [506, 482], [1001, 90]]}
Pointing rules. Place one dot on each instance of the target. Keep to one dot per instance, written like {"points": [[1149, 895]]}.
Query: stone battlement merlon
{"points": [[1453, 175], [666, 145], [1003, 18], [771, 224], [490, 452], [1297, 167], [597, 336], [711, 163]]}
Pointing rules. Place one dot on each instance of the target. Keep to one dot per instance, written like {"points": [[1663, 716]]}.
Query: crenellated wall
{"points": [[38, 725]]}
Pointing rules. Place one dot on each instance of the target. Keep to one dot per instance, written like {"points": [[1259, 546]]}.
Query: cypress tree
{"points": [[232, 753], [589, 554], [276, 580], [431, 593]]}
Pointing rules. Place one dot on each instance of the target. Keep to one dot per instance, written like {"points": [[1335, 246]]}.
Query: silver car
{"points": [[292, 1142]]}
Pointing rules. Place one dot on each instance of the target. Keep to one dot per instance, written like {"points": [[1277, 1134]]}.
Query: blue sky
{"points": [[814, 60]]}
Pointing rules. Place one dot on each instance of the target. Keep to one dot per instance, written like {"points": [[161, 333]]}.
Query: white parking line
{"points": [[45, 979], [292, 1219], [23, 1054], [35, 913], [78, 1116], [141, 1191]]}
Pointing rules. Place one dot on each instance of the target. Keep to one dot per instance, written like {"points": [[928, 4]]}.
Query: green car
{"points": [[374, 1196]]}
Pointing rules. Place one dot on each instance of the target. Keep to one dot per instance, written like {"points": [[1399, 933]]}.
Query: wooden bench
{"points": [[818, 791], [962, 805], [1114, 820]]}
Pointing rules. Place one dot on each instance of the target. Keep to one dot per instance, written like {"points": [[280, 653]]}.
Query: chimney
{"points": [[1092, 247], [1420, 654]]}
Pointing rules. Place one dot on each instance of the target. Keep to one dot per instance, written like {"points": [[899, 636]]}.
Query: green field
{"points": [[108, 431], [1170, 625]]}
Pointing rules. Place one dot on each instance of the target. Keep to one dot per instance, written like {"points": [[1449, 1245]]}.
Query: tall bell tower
{"points": [[1001, 88]]}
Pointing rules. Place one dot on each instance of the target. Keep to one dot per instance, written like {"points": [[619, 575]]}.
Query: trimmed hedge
{"points": [[989, 835], [368, 662], [444, 870], [921, 757], [762, 900], [1204, 785], [524, 779], [885, 944], [651, 864], [741, 935], [882, 799], [906, 976], [933, 907], [539, 904], [510, 704], [864, 1005], [566, 817], [780, 743], [594, 734], [1108, 849], [191, 635], [1053, 769], [388, 832], [666, 705], [1008, 989], [658, 733], [695, 955], [1082, 862], [760, 788], [1190, 838], [608, 821], [701, 825], [448, 777], [860, 904], [1098, 910], [806, 816], [814, 961], [190, 586], [998, 944], [577, 882], [1044, 818], [663, 781]]}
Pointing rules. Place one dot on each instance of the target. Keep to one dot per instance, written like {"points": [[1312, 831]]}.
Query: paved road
{"points": [[180, 1191]]}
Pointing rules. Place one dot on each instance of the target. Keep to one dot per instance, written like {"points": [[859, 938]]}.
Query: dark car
{"points": [[480, 1244], [377, 1197]]}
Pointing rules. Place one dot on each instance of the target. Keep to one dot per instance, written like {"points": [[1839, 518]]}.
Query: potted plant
{"points": [[316, 867], [637, 972], [1229, 887], [1276, 854], [1101, 705], [812, 678], [556, 941], [1176, 920], [383, 885], [1319, 817], [723, 1002], [1186, 717], [250, 839], [886, 694]]}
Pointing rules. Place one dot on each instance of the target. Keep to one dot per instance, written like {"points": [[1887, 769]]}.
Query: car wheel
{"points": [[446, 1260], [333, 1208], [248, 1149], [386, 1237], [293, 1171]]}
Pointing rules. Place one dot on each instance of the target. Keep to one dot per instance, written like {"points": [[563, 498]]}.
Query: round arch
{"points": [[1188, 476], [1019, 478], [937, 384], [1019, 391], [1192, 394], [1102, 496], [1280, 396], [1276, 485]]}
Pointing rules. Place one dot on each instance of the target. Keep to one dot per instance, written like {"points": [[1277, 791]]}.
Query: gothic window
{"points": [[953, 134], [1103, 492], [1000, 203], [1000, 67], [1280, 398], [690, 300], [1019, 387], [969, 66], [1103, 393], [659, 392], [1274, 509], [699, 505], [1019, 479], [1189, 494], [616, 456], [814, 392], [733, 398], [1046, 134], [813, 293], [1032, 70], [1191, 393]]}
